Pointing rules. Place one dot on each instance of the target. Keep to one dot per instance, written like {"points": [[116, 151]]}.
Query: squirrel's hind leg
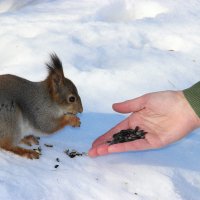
{"points": [[10, 130], [7, 145]]}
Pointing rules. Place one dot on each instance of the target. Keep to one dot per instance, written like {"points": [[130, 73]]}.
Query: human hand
{"points": [[166, 116]]}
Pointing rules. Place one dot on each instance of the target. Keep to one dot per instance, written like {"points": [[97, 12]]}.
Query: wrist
{"points": [[192, 95], [192, 98]]}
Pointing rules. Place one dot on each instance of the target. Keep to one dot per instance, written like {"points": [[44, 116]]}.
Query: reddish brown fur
{"points": [[31, 154], [5, 142], [52, 89], [7, 145], [69, 120], [30, 140], [55, 80]]}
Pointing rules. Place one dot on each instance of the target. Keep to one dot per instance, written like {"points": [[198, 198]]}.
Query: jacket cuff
{"points": [[192, 94]]}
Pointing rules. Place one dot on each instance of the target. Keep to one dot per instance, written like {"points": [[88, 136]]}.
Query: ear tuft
{"points": [[55, 65]]}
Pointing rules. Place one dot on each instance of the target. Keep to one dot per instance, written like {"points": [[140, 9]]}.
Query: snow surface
{"points": [[113, 50]]}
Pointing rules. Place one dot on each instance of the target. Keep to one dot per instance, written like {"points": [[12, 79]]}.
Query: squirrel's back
{"points": [[10, 84]]}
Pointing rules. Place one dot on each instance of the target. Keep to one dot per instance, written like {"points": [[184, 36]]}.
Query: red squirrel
{"points": [[46, 106]]}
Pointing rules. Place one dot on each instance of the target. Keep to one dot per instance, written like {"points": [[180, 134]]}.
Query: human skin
{"points": [[166, 116]]}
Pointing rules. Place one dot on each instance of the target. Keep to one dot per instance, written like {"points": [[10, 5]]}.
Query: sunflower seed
{"points": [[127, 136]]}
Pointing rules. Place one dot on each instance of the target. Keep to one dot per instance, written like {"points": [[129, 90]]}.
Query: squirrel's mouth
{"points": [[69, 113]]}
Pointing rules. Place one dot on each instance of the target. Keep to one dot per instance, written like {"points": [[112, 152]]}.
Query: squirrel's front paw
{"points": [[30, 140], [76, 122], [73, 120]]}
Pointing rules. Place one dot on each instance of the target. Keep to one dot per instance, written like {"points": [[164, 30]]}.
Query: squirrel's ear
{"points": [[56, 76], [55, 69]]}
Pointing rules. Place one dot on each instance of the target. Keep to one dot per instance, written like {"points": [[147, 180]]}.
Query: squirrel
{"points": [[46, 106]]}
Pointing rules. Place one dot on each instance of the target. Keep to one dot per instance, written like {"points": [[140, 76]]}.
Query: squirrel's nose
{"points": [[80, 107], [80, 110]]}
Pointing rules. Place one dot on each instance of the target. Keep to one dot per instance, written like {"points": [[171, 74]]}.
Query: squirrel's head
{"points": [[61, 89]]}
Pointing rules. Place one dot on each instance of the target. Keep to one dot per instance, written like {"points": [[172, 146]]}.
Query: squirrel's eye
{"points": [[72, 99]]}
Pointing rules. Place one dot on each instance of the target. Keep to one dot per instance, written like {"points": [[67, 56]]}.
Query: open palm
{"points": [[166, 116]]}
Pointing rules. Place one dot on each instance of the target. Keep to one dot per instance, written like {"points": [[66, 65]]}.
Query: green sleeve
{"points": [[192, 94]]}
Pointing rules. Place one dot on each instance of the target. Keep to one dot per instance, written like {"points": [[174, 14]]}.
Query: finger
{"points": [[98, 151], [137, 145], [108, 135], [92, 152], [130, 105]]}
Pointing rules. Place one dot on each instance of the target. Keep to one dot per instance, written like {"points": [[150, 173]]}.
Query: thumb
{"points": [[132, 105]]}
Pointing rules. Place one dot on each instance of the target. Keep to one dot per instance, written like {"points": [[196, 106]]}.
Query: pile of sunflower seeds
{"points": [[127, 135]]}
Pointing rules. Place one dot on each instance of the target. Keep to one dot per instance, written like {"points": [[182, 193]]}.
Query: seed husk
{"points": [[73, 153], [38, 150], [48, 145], [56, 166]]}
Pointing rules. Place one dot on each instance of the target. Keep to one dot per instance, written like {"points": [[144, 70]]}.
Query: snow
{"points": [[113, 50]]}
